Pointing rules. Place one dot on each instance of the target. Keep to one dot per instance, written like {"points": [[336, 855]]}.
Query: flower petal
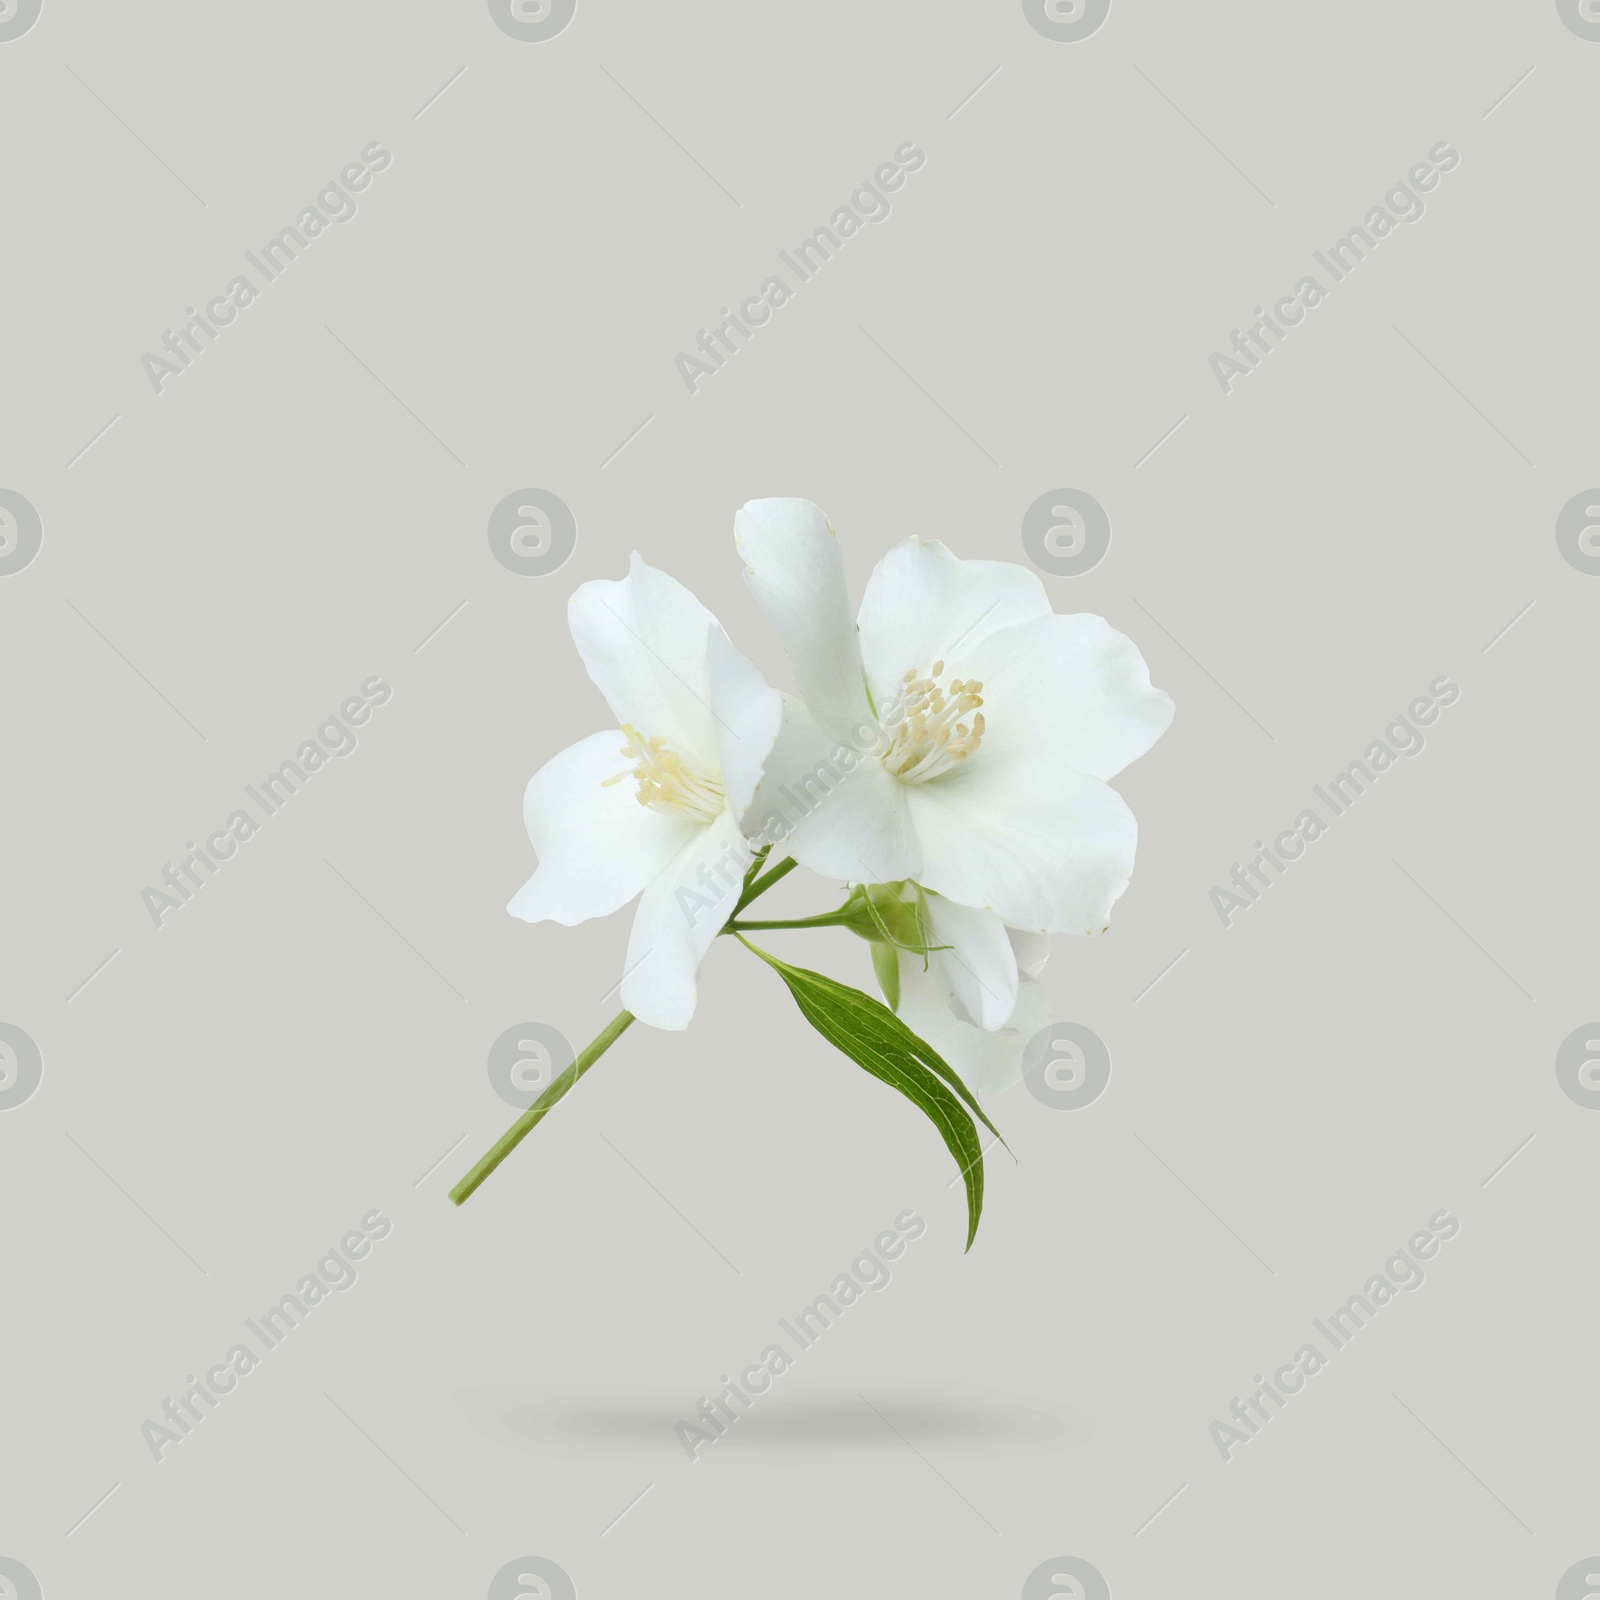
{"points": [[597, 847], [795, 568], [977, 971], [1032, 950], [747, 715], [1074, 683], [1045, 847], [679, 915], [643, 642], [925, 604], [986, 1062], [833, 807]]}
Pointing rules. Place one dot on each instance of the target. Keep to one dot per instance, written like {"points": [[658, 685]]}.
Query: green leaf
{"points": [[877, 1040]]}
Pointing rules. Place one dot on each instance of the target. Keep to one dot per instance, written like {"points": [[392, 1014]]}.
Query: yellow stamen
{"points": [[666, 781], [925, 739]]}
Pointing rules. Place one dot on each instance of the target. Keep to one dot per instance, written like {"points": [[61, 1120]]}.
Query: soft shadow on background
{"points": [[849, 1416]]}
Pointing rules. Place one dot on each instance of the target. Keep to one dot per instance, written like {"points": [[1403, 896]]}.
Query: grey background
{"points": [[301, 1042]]}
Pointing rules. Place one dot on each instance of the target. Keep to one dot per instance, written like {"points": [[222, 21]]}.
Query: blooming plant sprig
{"points": [[947, 760]]}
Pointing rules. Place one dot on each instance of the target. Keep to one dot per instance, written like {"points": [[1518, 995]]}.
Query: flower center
{"points": [[925, 738], [666, 781]]}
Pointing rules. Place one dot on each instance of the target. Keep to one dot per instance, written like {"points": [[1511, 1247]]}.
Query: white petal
{"points": [[1046, 848], [747, 715], [643, 641], [924, 604], [831, 807], [597, 847], [1032, 950], [795, 569], [1075, 683], [978, 969], [985, 1062], [678, 917]]}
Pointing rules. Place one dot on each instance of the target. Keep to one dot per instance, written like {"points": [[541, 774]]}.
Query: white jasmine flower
{"points": [[974, 995], [653, 808], [957, 733], [957, 1002]]}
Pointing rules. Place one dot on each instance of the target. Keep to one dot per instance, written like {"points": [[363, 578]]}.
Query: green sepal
{"points": [[886, 966], [880, 912]]}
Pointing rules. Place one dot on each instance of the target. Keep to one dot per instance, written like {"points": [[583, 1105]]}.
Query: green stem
{"points": [[763, 883], [591, 1053], [828, 919], [536, 1113]]}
